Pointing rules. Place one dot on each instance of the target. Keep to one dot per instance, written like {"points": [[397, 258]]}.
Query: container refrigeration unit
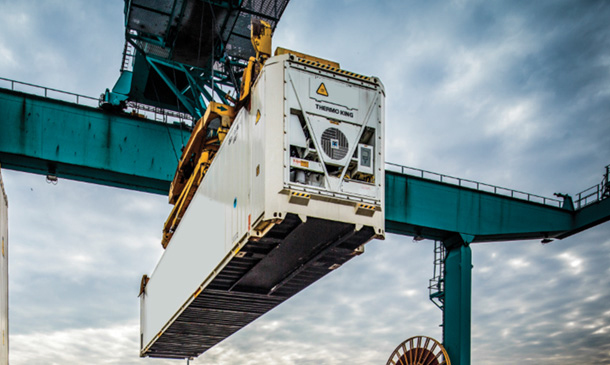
{"points": [[295, 191]]}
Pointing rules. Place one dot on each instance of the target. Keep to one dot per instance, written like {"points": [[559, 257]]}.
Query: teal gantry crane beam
{"points": [[59, 138], [84, 143]]}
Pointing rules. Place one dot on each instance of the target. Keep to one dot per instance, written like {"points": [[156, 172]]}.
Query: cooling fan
{"points": [[419, 350]]}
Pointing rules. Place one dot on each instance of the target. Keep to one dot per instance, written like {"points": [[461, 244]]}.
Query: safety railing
{"points": [[594, 193], [129, 53], [159, 114], [48, 92], [476, 185], [133, 108]]}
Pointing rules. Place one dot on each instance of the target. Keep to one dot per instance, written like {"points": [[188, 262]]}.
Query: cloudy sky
{"points": [[513, 93]]}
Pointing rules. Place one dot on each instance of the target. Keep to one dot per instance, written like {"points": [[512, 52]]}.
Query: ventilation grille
{"points": [[334, 143]]}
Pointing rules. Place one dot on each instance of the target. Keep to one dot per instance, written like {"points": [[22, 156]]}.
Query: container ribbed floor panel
{"points": [[289, 258]]}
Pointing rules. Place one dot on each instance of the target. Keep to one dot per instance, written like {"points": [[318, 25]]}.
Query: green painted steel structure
{"points": [[54, 137], [182, 54], [458, 296], [48, 136], [436, 210]]}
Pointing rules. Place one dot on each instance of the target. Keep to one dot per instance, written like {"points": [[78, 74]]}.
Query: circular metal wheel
{"points": [[419, 350]]}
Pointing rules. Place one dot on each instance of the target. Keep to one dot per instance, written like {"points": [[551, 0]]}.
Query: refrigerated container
{"points": [[295, 191]]}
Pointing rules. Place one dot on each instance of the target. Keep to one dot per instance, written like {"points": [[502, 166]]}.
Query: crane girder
{"points": [[48, 136]]}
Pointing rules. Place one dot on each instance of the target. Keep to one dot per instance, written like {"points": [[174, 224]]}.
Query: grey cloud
{"points": [[68, 45], [116, 344], [80, 249], [522, 58], [455, 74], [551, 309]]}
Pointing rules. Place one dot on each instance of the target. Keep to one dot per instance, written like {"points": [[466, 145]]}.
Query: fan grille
{"points": [[334, 143]]}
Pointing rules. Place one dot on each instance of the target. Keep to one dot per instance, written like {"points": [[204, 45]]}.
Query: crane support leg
{"points": [[456, 316]]}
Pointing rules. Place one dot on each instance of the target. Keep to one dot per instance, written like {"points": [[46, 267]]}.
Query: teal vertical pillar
{"points": [[456, 314]]}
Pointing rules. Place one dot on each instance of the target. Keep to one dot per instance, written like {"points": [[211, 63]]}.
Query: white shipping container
{"points": [[294, 192], [3, 274]]}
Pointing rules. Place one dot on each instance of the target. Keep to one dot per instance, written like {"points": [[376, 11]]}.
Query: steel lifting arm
{"points": [[261, 41]]}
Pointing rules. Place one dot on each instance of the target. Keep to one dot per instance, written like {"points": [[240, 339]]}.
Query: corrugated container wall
{"points": [[4, 274]]}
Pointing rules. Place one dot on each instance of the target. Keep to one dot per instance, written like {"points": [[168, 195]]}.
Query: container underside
{"points": [[265, 273]]}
